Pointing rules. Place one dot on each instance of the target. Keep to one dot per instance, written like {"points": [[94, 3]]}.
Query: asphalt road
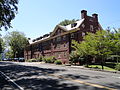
{"points": [[40, 76]]}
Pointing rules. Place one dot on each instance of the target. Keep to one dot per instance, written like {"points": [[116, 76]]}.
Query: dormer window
{"points": [[73, 25]]}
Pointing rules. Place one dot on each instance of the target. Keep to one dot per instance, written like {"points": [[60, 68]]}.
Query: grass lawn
{"points": [[110, 66], [100, 67]]}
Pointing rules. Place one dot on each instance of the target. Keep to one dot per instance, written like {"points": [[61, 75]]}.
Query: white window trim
{"points": [[91, 28], [83, 34]]}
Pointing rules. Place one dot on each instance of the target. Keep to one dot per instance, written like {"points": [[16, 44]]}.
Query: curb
{"points": [[117, 72]]}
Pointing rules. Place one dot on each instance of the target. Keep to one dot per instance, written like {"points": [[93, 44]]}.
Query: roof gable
{"points": [[74, 25], [68, 27], [58, 29]]}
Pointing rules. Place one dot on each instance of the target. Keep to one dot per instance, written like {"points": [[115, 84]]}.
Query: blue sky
{"points": [[38, 17]]}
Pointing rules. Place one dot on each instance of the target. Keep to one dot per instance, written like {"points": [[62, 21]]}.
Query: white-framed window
{"points": [[58, 46], [99, 28], [58, 39], [91, 19], [83, 34], [64, 37], [54, 39], [83, 25], [72, 35], [59, 31], [65, 54], [59, 54], [91, 28]]}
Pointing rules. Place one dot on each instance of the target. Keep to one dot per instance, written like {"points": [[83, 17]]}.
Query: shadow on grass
{"points": [[110, 64]]}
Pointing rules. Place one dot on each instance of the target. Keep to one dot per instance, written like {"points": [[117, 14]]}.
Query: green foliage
{"points": [[8, 9], [74, 57], [58, 62], [99, 67], [17, 42], [32, 60], [40, 59], [2, 45], [9, 54], [50, 59], [117, 67], [67, 22], [99, 45]]}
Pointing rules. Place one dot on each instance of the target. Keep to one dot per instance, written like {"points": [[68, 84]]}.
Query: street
{"points": [[41, 76]]}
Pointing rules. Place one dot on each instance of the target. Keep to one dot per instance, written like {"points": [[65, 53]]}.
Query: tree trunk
{"points": [[102, 63], [14, 54]]}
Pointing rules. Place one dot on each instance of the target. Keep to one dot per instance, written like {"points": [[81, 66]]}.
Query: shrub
{"points": [[40, 59], [58, 62], [117, 67], [50, 59], [74, 57], [32, 60]]}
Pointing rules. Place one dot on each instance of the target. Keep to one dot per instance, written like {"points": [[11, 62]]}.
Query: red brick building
{"points": [[58, 42]]}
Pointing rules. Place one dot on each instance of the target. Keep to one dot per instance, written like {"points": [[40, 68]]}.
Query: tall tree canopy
{"points": [[1, 45], [8, 9], [67, 22], [17, 42], [100, 45]]}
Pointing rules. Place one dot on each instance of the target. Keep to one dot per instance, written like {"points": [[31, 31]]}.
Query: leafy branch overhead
{"points": [[8, 10]]}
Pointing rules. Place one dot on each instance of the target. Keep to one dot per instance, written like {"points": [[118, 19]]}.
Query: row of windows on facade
{"points": [[48, 47], [48, 43], [58, 39], [57, 54]]}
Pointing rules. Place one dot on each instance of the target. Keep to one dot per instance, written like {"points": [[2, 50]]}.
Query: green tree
{"points": [[17, 42], [115, 46], [94, 45], [67, 22], [8, 10], [2, 45], [9, 54]]}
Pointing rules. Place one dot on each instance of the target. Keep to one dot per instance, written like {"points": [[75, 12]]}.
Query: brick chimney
{"points": [[83, 14], [95, 16]]}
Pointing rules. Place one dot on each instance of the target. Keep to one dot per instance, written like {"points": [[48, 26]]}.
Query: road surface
{"points": [[41, 76]]}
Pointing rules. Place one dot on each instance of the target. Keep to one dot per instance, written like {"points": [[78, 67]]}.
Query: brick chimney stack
{"points": [[83, 14], [95, 16]]}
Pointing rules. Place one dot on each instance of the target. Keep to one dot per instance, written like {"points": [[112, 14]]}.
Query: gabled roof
{"points": [[55, 29], [78, 23], [68, 27]]}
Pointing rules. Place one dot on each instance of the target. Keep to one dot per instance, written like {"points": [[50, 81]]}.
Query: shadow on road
{"points": [[45, 84], [37, 78]]}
